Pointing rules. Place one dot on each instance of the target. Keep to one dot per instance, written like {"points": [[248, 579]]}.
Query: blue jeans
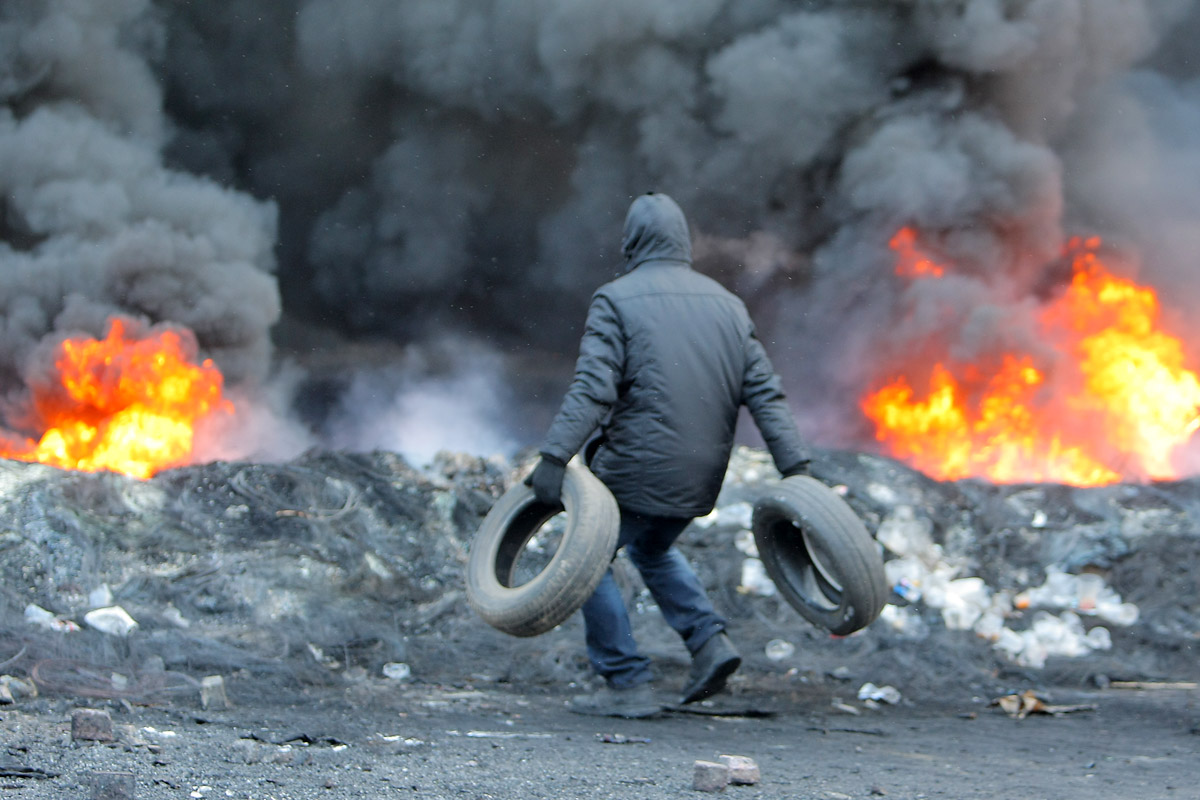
{"points": [[649, 542]]}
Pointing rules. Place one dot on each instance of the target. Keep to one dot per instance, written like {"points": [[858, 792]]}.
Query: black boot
{"points": [[712, 665], [632, 703]]}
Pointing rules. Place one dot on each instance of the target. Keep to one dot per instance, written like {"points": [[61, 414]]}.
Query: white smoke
{"points": [[422, 405]]}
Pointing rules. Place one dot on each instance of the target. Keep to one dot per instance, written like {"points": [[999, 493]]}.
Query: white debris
{"points": [[755, 580], [397, 671], [921, 573], [779, 649], [1052, 635], [904, 621], [36, 615], [112, 620], [734, 515], [744, 542], [100, 597], [885, 694], [906, 534], [1086, 593]]}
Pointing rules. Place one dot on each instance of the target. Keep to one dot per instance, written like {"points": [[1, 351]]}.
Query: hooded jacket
{"points": [[667, 358]]}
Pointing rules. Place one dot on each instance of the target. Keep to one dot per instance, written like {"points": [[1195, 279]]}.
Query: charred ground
{"points": [[305, 584]]}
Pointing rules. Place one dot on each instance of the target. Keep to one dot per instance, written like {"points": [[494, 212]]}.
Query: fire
{"points": [[910, 261], [1119, 401], [122, 404]]}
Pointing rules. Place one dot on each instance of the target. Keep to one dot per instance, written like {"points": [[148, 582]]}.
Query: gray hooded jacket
{"points": [[667, 358]]}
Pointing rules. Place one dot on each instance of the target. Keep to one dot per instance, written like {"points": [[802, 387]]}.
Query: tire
{"points": [[571, 575], [819, 555]]}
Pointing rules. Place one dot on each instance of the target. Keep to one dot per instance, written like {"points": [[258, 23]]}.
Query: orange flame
{"points": [[121, 404], [910, 261], [1119, 402]]}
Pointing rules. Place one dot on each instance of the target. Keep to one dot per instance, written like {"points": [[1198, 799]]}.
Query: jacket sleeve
{"points": [[593, 390], [762, 394]]}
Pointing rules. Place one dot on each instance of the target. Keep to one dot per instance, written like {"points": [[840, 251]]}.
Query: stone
{"points": [[90, 724], [111, 786], [710, 776], [743, 771], [212, 692]]}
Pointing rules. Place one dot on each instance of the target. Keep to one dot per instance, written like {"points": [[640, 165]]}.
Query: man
{"points": [[667, 359]]}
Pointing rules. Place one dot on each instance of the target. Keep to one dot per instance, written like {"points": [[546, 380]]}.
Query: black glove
{"points": [[799, 468], [546, 480]]}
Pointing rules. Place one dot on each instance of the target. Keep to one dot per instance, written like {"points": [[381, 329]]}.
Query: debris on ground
{"points": [[743, 770], [1028, 702], [342, 568], [710, 776]]}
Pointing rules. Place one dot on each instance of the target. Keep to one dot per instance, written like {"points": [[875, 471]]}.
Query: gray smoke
{"points": [[423, 173]]}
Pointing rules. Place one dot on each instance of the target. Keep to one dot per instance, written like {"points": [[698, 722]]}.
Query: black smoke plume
{"points": [[355, 203]]}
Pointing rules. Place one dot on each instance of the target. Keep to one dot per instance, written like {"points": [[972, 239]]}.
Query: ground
{"points": [[382, 738], [328, 596]]}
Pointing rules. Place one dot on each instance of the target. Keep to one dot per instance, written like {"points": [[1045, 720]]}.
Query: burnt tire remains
{"points": [[532, 607], [819, 555]]}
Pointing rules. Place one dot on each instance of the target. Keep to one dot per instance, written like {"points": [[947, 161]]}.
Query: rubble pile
{"points": [[337, 567]]}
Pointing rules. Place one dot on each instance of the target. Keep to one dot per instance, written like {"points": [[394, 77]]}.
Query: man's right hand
{"points": [[546, 480]]}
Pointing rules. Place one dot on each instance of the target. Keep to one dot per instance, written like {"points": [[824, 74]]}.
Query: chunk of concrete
{"points": [[111, 786], [710, 776], [743, 771], [92, 725], [212, 692]]}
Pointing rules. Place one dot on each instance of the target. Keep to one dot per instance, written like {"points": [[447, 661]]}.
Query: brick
{"points": [[111, 786], [90, 724], [212, 692], [743, 771], [709, 776]]}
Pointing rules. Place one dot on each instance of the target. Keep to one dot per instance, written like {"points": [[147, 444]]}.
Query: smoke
{"points": [[290, 178]]}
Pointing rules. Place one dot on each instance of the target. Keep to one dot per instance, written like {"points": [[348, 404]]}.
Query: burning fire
{"points": [[122, 404], [1115, 406]]}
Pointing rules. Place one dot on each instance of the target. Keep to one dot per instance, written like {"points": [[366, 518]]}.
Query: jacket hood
{"points": [[655, 229]]}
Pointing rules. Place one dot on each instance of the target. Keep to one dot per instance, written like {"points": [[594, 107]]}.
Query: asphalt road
{"points": [[386, 739]]}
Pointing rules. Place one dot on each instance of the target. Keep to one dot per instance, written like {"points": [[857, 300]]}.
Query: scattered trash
{"points": [[743, 540], [779, 649], [739, 515], [906, 591], [1086, 593], [845, 708], [905, 621], [172, 615], [921, 573], [100, 597], [397, 671], [1050, 635], [503, 735], [755, 580], [886, 694], [1027, 702], [36, 615], [112, 620], [620, 738], [1184, 685]]}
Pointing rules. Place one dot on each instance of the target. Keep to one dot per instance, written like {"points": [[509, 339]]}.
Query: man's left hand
{"points": [[799, 468]]}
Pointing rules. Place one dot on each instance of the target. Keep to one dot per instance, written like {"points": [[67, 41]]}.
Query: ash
{"points": [[339, 568]]}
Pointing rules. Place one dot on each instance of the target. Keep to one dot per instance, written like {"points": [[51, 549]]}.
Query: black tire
{"points": [[819, 555], [571, 575]]}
